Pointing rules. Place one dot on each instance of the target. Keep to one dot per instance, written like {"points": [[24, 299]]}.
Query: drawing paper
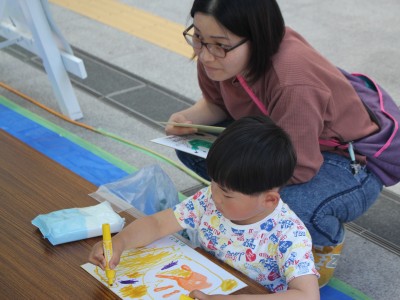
{"points": [[166, 269], [197, 144]]}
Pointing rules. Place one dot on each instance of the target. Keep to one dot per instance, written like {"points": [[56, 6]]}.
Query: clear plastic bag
{"points": [[149, 190]]}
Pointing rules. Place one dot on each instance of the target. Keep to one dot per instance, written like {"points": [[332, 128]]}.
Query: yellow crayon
{"points": [[184, 297], [108, 252]]}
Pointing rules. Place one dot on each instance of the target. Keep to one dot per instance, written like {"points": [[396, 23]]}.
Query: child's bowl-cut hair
{"points": [[251, 155]]}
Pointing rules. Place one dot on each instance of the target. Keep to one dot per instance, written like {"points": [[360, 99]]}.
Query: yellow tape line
{"points": [[146, 26]]}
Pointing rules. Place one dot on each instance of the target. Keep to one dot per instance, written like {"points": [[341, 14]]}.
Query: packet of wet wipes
{"points": [[72, 224]]}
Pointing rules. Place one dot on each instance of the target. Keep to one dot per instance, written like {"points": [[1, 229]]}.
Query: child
{"points": [[240, 218]]}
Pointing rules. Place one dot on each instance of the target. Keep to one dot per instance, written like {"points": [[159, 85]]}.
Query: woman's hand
{"points": [[175, 130], [202, 113]]}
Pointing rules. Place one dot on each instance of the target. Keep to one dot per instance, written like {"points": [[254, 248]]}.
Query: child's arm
{"points": [[139, 233], [302, 287]]}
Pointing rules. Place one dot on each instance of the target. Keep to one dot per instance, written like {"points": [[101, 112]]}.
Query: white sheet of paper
{"points": [[197, 144], [166, 269]]}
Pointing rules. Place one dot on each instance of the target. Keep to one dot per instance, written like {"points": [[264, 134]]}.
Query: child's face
{"points": [[235, 61], [240, 208]]}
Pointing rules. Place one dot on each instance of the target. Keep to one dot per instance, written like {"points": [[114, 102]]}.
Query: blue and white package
{"points": [[72, 224]]}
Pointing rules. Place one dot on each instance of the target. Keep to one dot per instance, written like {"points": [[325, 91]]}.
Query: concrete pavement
{"points": [[133, 82]]}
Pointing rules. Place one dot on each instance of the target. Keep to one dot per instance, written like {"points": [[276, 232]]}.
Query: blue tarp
{"points": [[67, 153]]}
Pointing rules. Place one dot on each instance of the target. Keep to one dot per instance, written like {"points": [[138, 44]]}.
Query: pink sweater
{"points": [[304, 94]]}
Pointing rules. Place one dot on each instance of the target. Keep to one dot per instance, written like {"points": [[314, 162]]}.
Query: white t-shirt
{"points": [[272, 251]]}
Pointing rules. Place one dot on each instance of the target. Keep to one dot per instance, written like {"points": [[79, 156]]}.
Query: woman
{"points": [[249, 63]]}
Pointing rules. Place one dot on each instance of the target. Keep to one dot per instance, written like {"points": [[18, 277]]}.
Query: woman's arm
{"points": [[139, 233], [202, 112]]}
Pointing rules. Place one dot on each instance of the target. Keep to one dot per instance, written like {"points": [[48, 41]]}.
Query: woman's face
{"points": [[210, 31]]}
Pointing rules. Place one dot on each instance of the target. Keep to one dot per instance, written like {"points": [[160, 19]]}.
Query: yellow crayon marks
{"points": [[146, 26], [134, 291], [144, 259], [101, 274], [178, 273], [228, 285], [134, 275]]}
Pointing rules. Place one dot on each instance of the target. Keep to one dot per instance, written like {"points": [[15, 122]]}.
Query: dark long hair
{"points": [[260, 21]]}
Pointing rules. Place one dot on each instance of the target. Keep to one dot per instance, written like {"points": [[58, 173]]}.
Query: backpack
{"points": [[381, 148]]}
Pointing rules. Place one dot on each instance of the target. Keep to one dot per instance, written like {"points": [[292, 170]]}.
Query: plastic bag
{"points": [[149, 190]]}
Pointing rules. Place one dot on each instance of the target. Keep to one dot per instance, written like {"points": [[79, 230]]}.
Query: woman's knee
{"points": [[325, 203]]}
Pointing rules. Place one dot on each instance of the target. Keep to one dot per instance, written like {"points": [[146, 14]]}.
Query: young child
{"points": [[240, 217]]}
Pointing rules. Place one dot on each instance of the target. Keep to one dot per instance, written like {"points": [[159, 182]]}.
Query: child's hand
{"points": [[198, 295], [97, 258]]}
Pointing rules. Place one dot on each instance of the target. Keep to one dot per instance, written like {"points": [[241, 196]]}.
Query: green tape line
{"points": [[347, 289], [68, 135]]}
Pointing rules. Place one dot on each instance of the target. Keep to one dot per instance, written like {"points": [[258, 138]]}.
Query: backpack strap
{"points": [[334, 143], [388, 172], [252, 95], [355, 167], [260, 105]]}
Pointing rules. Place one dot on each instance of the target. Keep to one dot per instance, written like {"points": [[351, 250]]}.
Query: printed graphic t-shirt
{"points": [[272, 251]]}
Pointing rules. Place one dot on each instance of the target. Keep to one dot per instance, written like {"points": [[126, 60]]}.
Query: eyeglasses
{"points": [[217, 50]]}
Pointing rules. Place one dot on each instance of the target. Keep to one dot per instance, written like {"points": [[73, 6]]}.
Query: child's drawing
{"points": [[166, 269], [196, 144]]}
